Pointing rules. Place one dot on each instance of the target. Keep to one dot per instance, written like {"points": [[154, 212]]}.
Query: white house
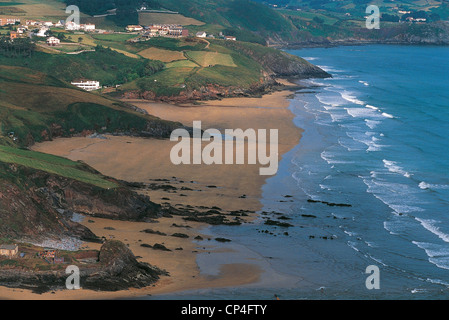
{"points": [[32, 23], [60, 24], [42, 32], [22, 30], [132, 28], [53, 41], [201, 34], [88, 85], [71, 26], [48, 23], [88, 27], [231, 38]]}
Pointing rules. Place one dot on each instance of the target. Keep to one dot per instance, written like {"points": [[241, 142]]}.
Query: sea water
{"points": [[376, 143]]}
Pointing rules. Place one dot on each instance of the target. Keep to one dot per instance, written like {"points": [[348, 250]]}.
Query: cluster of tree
{"points": [[389, 17], [20, 47], [318, 19]]}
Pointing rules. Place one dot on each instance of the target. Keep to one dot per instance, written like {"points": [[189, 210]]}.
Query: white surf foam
{"points": [[387, 115], [372, 124], [371, 107], [329, 100], [348, 96], [361, 113], [430, 225], [424, 186], [432, 250], [393, 167]]}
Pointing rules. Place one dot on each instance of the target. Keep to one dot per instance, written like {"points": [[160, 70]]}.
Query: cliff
{"points": [[36, 205]]}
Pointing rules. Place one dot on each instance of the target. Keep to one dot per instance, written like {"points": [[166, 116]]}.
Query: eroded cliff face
{"points": [[36, 205], [283, 64], [209, 92], [26, 213], [118, 204]]}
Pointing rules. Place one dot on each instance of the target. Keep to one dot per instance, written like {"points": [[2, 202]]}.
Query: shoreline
{"points": [[134, 159]]}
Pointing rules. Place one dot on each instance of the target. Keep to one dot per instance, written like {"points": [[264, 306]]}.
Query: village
{"points": [[20, 28], [11, 251], [60, 35], [30, 256]]}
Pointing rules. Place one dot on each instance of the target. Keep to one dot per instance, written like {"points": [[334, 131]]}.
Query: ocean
{"points": [[368, 184]]}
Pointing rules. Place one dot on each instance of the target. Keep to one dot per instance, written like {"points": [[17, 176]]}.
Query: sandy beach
{"points": [[229, 187]]}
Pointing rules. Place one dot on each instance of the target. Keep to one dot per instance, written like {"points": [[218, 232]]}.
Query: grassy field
{"points": [[207, 59], [162, 54], [35, 9], [8, 3], [193, 66], [147, 18], [52, 164], [177, 44], [114, 37], [309, 16], [182, 64]]}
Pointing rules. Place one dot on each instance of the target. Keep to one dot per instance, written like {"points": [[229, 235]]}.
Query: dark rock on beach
{"points": [[330, 204], [180, 235], [158, 246], [278, 223]]}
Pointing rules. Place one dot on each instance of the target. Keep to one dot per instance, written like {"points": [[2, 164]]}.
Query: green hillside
{"points": [[35, 106], [282, 22], [54, 165], [248, 20], [236, 15], [105, 65]]}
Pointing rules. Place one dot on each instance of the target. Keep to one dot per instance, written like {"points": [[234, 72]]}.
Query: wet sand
{"points": [[146, 160]]}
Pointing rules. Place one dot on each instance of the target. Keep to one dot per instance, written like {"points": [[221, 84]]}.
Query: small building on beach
{"points": [[9, 250]]}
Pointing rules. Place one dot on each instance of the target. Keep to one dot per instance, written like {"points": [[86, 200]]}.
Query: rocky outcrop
{"points": [[119, 203], [277, 63], [282, 64], [27, 213], [208, 92], [37, 205], [120, 270]]}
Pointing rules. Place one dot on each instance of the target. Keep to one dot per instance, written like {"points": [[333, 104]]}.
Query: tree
{"points": [[318, 19], [61, 36], [20, 47]]}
